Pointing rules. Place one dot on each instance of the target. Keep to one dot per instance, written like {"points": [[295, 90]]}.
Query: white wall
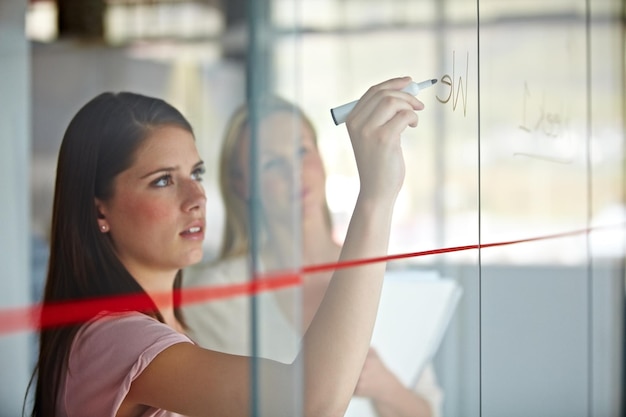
{"points": [[14, 191]]}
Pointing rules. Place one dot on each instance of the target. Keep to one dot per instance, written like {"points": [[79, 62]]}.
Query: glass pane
{"points": [[504, 290], [541, 290], [535, 311], [277, 135], [607, 240], [361, 43]]}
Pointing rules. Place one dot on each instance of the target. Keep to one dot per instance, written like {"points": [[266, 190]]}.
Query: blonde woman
{"points": [[291, 177]]}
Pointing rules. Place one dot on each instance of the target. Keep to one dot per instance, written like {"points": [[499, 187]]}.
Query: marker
{"points": [[340, 114]]}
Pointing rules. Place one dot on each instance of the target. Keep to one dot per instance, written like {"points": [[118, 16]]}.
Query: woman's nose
{"points": [[194, 195]]}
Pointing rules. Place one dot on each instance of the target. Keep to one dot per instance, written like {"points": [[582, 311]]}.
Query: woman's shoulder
{"points": [[107, 354], [133, 328], [119, 340]]}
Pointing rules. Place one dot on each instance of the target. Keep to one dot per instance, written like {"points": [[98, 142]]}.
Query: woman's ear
{"points": [[103, 224]]}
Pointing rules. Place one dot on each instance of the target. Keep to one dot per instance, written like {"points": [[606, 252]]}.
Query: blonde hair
{"points": [[236, 235]]}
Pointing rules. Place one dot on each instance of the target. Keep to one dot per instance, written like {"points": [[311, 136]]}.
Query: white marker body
{"points": [[340, 114]]}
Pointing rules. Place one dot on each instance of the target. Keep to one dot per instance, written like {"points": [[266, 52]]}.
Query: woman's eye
{"points": [[198, 173], [163, 181]]}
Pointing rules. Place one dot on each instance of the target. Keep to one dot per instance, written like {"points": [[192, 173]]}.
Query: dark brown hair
{"points": [[99, 143]]}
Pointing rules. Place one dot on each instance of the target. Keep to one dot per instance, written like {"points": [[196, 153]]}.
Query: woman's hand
{"points": [[375, 126]]}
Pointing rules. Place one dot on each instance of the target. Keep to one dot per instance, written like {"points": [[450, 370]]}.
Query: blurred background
{"points": [[519, 156]]}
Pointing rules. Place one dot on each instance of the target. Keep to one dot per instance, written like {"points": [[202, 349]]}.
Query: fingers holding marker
{"points": [[380, 103], [402, 118], [383, 107], [374, 126], [385, 110], [405, 88]]}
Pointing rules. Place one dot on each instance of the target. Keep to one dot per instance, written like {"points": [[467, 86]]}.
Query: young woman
{"points": [[129, 214], [291, 177]]}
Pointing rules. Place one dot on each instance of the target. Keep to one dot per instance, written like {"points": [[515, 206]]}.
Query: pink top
{"points": [[107, 355]]}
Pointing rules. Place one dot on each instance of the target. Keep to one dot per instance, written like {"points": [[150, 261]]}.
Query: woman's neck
{"points": [[316, 244], [160, 288]]}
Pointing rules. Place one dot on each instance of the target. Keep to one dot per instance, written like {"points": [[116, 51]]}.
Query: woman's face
{"points": [[287, 152], [156, 217]]}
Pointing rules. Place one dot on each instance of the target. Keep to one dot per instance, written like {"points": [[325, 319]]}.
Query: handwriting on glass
{"points": [[550, 122], [455, 88], [547, 126]]}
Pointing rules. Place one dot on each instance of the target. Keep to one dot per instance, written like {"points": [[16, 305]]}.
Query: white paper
{"points": [[415, 310]]}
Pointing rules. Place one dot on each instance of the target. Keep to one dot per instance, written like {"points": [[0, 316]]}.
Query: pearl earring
{"points": [[103, 228]]}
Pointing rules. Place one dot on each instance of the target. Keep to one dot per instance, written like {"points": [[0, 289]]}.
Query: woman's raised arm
{"points": [[196, 382]]}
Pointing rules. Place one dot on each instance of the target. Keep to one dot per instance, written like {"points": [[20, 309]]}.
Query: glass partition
{"points": [[534, 184], [343, 48], [514, 187], [504, 287]]}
